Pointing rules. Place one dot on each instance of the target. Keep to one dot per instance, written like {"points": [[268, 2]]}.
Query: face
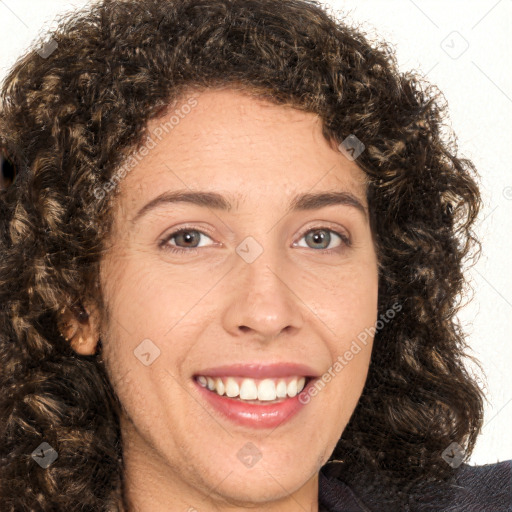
{"points": [[278, 291]]}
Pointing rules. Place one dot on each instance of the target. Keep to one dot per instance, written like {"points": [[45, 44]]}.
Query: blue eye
{"points": [[192, 237]]}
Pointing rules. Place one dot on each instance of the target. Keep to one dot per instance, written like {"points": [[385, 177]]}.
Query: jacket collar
{"points": [[333, 494]]}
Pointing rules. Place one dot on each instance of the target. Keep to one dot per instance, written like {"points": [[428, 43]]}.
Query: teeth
{"points": [[266, 390], [248, 390], [232, 388], [291, 390], [281, 389], [252, 389], [219, 386]]}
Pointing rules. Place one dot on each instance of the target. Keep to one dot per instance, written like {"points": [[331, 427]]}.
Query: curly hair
{"points": [[69, 118]]}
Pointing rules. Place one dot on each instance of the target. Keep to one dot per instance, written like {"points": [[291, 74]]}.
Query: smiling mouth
{"points": [[254, 391], [268, 402]]}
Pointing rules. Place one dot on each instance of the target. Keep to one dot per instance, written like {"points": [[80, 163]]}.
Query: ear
{"points": [[80, 326]]}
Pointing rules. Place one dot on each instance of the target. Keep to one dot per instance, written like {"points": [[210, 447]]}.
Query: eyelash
{"points": [[164, 245]]}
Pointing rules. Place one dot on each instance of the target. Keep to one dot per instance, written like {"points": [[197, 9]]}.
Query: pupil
{"points": [[187, 236], [319, 236]]}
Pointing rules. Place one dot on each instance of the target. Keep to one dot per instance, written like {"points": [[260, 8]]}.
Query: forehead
{"points": [[243, 147]]}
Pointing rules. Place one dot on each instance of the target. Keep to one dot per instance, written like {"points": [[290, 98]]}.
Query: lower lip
{"points": [[254, 415]]}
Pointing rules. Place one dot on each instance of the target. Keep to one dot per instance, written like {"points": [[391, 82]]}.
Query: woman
{"points": [[230, 260]]}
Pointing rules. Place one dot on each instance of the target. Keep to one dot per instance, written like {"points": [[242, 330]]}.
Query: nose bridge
{"points": [[262, 263], [263, 300]]}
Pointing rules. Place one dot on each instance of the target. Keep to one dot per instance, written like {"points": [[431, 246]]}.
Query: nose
{"points": [[262, 301]]}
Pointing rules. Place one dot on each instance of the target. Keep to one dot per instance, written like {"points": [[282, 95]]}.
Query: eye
{"points": [[190, 237], [322, 236]]}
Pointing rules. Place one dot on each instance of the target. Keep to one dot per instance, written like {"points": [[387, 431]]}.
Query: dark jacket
{"points": [[485, 488]]}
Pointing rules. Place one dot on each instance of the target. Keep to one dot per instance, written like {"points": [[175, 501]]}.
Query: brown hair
{"points": [[69, 117]]}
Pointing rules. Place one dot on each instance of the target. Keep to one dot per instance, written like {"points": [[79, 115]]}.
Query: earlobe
{"points": [[80, 328]]}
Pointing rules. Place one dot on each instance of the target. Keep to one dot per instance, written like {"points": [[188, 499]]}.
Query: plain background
{"points": [[463, 48]]}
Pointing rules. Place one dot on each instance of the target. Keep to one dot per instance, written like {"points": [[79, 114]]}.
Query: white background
{"points": [[430, 37]]}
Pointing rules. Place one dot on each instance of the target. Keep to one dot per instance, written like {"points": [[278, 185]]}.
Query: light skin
{"points": [[207, 307]]}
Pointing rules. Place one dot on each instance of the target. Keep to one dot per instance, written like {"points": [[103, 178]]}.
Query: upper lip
{"points": [[260, 371]]}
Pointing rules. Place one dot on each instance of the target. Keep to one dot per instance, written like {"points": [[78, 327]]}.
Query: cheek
{"points": [[345, 300], [141, 300], [349, 310], [147, 307], [346, 376], [344, 306]]}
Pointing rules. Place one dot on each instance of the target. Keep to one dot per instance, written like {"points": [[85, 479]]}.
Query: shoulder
{"points": [[482, 488], [486, 488]]}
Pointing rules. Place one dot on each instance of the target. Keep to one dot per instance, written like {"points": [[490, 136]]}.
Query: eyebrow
{"points": [[302, 202]]}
